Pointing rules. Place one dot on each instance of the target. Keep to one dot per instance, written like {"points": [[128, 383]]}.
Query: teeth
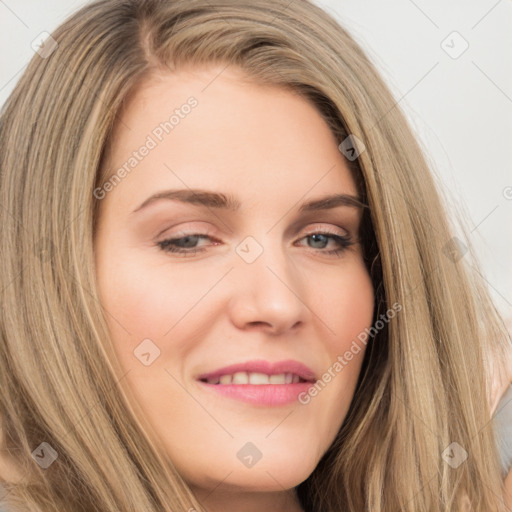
{"points": [[225, 379], [255, 378], [240, 378], [258, 378], [277, 379]]}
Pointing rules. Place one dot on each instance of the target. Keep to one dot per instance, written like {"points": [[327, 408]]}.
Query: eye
{"points": [[187, 245], [321, 239]]}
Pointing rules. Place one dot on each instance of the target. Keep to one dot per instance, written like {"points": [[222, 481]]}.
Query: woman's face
{"points": [[253, 272]]}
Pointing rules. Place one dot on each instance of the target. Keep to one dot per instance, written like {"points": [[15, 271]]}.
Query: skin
{"points": [[273, 151]]}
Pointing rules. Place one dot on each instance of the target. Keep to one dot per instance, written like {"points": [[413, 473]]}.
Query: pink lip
{"points": [[263, 394], [261, 366]]}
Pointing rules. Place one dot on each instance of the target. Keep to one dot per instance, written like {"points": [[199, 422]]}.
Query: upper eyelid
{"points": [[348, 219], [349, 238], [343, 242], [206, 232]]}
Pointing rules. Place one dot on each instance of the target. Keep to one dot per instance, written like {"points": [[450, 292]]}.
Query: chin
{"points": [[273, 472]]}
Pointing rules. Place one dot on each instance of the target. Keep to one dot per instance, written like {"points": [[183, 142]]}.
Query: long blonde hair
{"points": [[423, 384]]}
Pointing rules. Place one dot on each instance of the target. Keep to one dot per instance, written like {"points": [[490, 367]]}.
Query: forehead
{"points": [[213, 128]]}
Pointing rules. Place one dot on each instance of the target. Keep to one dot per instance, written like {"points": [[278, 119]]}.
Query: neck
{"points": [[277, 501]]}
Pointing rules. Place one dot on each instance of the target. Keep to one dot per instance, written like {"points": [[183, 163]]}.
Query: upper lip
{"points": [[261, 366]]}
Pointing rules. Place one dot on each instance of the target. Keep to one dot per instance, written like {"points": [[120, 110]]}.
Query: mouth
{"points": [[260, 382], [255, 378]]}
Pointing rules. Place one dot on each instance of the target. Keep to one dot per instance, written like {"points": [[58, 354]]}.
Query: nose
{"points": [[268, 294]]}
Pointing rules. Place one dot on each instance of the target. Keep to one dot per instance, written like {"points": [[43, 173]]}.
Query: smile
{"points": [[259, 382], [255, 378]]}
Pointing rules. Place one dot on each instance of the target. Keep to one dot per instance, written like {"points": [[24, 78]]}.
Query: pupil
{"points": [[189, 241], [319, 238]]}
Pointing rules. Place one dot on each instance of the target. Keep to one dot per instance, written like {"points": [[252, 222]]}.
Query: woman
{"points": [[325, 350]]}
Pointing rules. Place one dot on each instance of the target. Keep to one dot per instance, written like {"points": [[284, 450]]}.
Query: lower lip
{"points": [[269, 395]]}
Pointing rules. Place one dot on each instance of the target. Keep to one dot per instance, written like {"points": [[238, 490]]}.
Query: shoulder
{"points": [[502, 420]]}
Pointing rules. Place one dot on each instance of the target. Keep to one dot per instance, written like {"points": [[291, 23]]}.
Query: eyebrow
{"points": [[227, 202]]}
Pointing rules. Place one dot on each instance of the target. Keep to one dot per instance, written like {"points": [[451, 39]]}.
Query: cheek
{"points": [[346, 309], [146, 306], [355, 306], [148, 299], [345, 303]]}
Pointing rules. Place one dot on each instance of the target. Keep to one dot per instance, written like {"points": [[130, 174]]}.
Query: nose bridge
{"points": [[268, 289], [266, 262]]}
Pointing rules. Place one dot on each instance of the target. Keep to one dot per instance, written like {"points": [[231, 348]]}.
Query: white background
{"points": [[460, 108]]}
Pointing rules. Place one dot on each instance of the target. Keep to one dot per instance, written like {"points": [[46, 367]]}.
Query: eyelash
{"points": [[343, 241]]}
